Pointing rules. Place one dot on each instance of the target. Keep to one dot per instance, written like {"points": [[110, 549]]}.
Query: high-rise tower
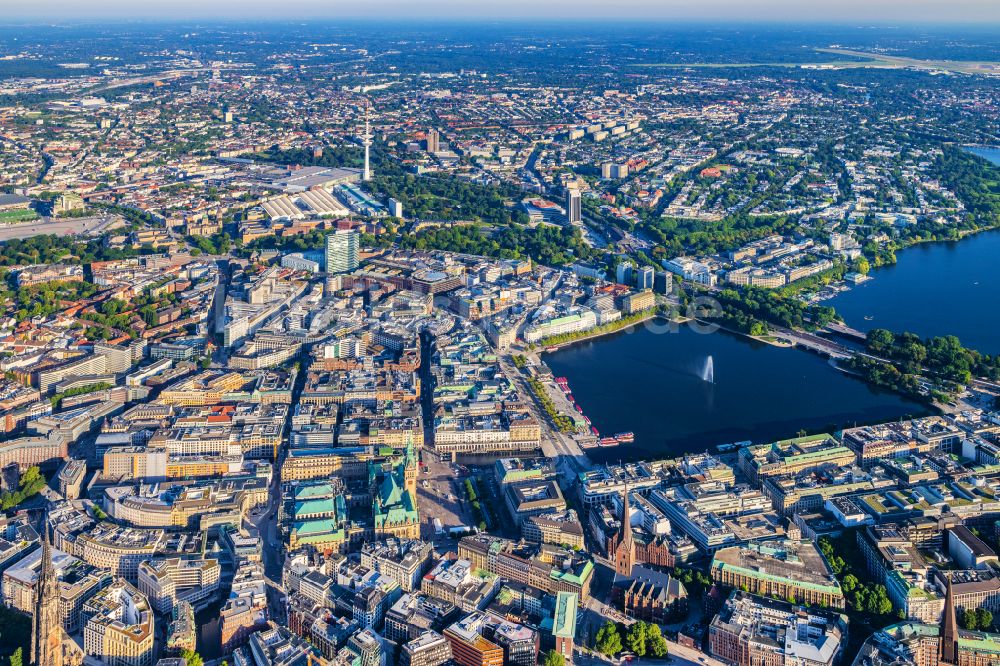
{"points": [[341, 251], [432, 141], [366, 141], [574, 211]]}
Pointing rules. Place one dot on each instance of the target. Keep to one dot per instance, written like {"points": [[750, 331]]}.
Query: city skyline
{"points": [[451, 334], [976, 12]]}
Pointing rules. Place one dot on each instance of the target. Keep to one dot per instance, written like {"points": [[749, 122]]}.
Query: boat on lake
{"points": [[732, 447]]}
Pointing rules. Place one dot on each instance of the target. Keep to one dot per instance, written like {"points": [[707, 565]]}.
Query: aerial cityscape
{"points": [[454, 340]]}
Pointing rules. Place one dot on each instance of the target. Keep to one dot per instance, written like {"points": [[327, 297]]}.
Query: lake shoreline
{"points": [[547, 348], [955, 275], [651, 385]]}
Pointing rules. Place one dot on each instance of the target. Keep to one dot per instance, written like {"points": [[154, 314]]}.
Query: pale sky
{"points": [[977, 12]]}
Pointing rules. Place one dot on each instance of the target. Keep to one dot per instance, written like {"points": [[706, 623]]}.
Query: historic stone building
{"points": [[621, 550], [394, 509]]}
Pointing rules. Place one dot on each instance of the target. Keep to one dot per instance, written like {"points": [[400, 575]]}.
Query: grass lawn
{"points": [[10, 216]]}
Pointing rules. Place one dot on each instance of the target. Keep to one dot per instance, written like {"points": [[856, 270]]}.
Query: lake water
{"points": [[948, 288], [992, 153], [651, 384]]}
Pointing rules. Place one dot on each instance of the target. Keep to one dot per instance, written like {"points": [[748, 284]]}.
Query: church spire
{"points": [[46, 637], [624, 552], [626, 519], [949, 633]]}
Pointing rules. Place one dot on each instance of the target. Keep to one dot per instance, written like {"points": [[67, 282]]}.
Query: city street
{"points": [[570, 458], [272, 553], [677, 655]]}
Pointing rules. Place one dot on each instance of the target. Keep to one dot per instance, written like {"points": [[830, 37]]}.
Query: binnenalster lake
{"points": [[651, 384]]}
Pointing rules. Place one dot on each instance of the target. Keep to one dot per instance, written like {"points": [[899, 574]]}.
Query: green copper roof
{"points": [[572, 577], [564, 619], [308, 527], [315, 507], [313, 490]]}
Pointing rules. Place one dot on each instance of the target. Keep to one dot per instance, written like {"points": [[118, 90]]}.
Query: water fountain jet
{"points": [[708, 372]]}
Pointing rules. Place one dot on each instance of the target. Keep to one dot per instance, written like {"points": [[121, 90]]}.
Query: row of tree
{"points": [[863, 597], [699, 237], [547, 245], [750, 309], [642, 638], [886, 375], [973, 619], [44, 299], [57, 399], [31, 484], [219, 243], [49, 248], [944, 356]]}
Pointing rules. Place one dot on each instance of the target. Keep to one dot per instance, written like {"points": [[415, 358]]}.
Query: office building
{"points": [[276, 646], [545, 567], [167, 581], [404, 561], [790, 457], [790, 569], [395, 208], [519, 643], [342, 251], [564, 623], [468, 646], [574, 207], [755, 630], [428, 649], [119, 626], [623, 273], [433, 141], [644, 278], [460, 583], [663, 282], [968, 550], [367, 647]]}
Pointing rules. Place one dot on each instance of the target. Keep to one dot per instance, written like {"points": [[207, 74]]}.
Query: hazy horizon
{"points": [[977, 12]]}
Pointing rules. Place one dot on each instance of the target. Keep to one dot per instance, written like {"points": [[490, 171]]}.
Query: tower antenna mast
{"points": [[366, 138]]}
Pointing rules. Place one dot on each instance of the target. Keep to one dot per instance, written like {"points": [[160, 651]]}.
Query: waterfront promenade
{"points": [[563, 448]]}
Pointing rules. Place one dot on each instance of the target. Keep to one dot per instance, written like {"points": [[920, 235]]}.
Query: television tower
{"points": [[366, 141]]}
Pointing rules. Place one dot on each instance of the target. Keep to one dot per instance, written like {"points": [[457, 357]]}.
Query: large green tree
{"points": [[656, 644], [553, 658], [609, 641], [635, 640]]}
